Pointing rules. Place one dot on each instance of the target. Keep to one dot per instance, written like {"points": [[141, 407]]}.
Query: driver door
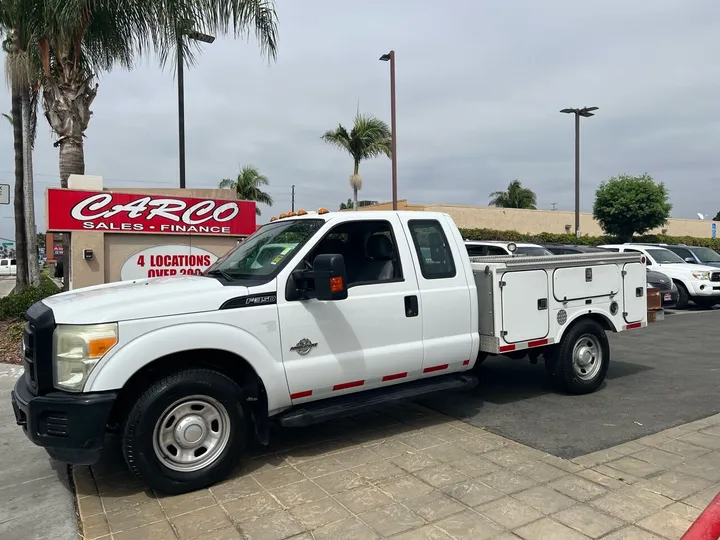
{"points": [[373, 337]]}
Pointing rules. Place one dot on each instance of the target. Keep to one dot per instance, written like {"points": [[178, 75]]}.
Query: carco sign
{"points": [[75, 210], [167, 260]]}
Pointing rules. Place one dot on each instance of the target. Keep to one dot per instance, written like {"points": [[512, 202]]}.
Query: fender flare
{"points": [[597, 313], [121, 363]]}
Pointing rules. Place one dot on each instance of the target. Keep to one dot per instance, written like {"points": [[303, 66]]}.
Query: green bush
{"points": [[15, 305], [541, 238]]}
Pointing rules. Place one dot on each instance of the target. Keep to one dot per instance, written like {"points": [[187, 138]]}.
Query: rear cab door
{"points": [[370, 339], [448, 301]]}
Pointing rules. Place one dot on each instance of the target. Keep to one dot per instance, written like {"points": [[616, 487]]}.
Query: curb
{"points": [[707, 525]]}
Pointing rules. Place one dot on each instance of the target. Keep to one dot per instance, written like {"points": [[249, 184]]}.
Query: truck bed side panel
{"points": [[525, 305]]}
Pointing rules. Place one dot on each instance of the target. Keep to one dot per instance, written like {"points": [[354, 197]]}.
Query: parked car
{"points": [[657, 280], [697, 283], [485, 248], [8, 267], [566, 249], [693, 254], [668, 290]]}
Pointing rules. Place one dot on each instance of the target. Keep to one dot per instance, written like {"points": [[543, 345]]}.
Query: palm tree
{"points": [[515, 196], [247, 186], [77, 39], [348, 205], [370, 137]]}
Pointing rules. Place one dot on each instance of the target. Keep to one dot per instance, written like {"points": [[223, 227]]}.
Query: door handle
{"points": [[411, 306]]}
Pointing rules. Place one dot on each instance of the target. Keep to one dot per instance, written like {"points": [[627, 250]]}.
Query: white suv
{"points": [[695, 282], [477, 248]]}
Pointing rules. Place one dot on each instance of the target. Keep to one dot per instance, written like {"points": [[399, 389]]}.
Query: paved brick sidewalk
{"points": [[410, 473]]}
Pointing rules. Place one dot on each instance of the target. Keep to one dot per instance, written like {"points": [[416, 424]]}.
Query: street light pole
{"points": [[585, 112], [393, 125], [197, 36]]}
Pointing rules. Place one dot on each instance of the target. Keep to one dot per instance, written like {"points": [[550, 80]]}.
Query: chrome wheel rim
{"points": [[587, 357], [191, 433]]}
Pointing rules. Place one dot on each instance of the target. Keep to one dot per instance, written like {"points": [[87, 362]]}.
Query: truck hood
{"points": [[140, 299]]}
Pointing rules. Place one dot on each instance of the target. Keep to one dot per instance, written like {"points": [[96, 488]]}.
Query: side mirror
{"points": [[330, 279], [689, 260]]}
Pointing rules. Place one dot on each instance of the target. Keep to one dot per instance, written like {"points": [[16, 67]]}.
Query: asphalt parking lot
{"points": [[659, 377]]}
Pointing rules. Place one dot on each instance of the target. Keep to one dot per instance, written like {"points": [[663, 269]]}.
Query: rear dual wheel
{"points": [[579, 364]]}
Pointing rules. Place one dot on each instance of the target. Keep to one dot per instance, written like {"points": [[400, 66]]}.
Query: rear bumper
{"points": [[71, 427]]}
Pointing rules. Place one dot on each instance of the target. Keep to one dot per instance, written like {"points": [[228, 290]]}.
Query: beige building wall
{"points": [[538, 221]]}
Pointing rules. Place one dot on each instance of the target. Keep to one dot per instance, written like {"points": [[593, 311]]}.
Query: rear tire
{"points": [[186, 432], [579, 364], [683, 296]]}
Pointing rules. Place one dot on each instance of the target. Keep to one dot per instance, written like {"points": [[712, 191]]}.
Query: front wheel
{"points": [[683, 296], [579, 364], [186, 432]]}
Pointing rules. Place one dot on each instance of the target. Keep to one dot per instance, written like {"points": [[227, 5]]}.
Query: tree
{"points": [[348, 205], [628, 205], [717, 217], [247, 186], [515, 196], [369, 137], [76, 40]]}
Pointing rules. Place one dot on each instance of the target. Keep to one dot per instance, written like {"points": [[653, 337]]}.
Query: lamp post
{"points": [[390, 57], [197, 36], [585, 112]]}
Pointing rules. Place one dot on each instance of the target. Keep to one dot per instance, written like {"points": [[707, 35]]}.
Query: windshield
{"points": [[534, 251], [706, 254], [664, 256], [263, 253]]}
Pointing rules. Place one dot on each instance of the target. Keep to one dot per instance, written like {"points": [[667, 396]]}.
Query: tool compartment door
{"points": [[525, 313], [634, 292]]}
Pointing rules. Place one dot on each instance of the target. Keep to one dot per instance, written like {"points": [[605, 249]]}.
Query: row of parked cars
{"points": [[682, 273]]}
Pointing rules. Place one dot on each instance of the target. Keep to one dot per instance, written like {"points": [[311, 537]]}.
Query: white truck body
{"points": [[307, 334]]}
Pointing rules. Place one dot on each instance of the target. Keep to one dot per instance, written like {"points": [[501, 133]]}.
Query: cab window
{"points": [[432, 248], [369, 249]]}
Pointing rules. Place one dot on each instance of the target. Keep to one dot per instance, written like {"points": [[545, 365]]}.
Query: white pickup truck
{"points": [[353, 310]]}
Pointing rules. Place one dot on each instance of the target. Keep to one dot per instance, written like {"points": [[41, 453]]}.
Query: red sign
{"points": [[73, 210]]}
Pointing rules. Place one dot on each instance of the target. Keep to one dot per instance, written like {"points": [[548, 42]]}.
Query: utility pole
{"points": [[553, 206], [390, 57], [585, 112], [292, 198], [197, 36]]}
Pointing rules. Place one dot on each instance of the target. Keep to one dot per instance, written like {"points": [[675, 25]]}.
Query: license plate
{"points": [[668, 296]]}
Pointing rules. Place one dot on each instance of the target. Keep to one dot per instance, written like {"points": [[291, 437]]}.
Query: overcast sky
{"points": [[479, 87]]}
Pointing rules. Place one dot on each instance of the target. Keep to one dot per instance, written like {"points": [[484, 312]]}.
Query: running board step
{"points": [[321, 411]]}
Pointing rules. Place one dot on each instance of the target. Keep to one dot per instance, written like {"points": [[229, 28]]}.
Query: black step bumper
{"points": [[71, 427]]}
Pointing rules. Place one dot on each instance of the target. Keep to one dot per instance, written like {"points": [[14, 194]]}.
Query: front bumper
{"points": [[669, 298], [71, 427], [704, 288]]}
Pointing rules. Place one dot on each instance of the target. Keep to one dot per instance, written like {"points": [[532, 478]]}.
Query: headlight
{"points": [[701, 275], [76, 350]]}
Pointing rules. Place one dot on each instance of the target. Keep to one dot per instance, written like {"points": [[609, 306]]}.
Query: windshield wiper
{"points": [[219, 272]]}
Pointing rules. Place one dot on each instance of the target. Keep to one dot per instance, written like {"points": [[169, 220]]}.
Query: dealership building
{"points": [[118, 234]]}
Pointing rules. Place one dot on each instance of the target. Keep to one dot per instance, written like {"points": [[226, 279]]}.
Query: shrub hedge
{"points": [[15, 305], [541, 238]]}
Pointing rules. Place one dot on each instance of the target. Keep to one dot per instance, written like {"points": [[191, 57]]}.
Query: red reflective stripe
{"points": [[507, 348], [466, 362], [435, 368], [538, 342], [298, 395], [351, 384], [633, 325], [394, 376]]}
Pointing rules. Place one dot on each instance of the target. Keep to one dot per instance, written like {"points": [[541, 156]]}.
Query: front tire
{"points": [[580, 362], [186, 432], [683, 296]]}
